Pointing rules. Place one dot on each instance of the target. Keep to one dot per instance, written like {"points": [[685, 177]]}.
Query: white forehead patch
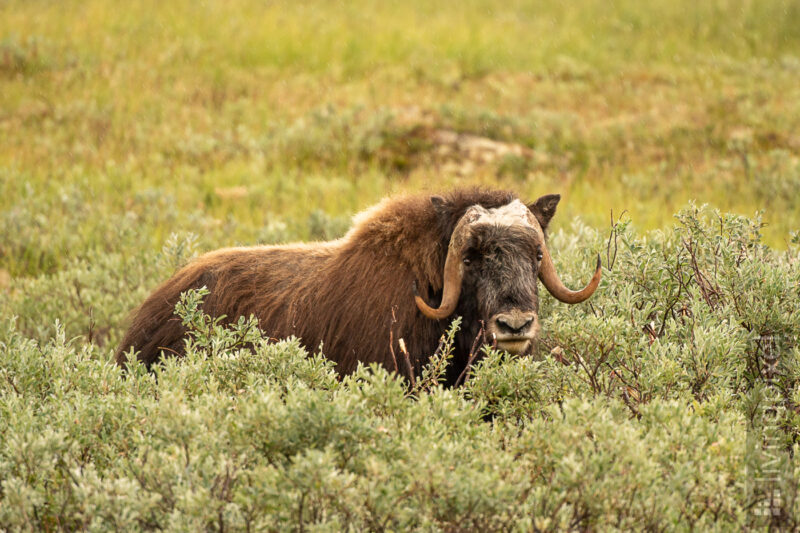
{"points": [[513, 214]]}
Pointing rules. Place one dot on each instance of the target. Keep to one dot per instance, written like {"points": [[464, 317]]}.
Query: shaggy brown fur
{"points": [[342, 293]]}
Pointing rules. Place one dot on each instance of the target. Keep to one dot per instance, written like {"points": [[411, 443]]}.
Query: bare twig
{"points": [[90, 333], [610, 260], [403, 350], [710, 294], [391, 350], [11, 382], [391, 340], [473, 353], [626, 398]]}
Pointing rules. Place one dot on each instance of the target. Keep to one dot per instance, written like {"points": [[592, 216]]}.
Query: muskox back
{"points": [[351, 295], [261, 281]]}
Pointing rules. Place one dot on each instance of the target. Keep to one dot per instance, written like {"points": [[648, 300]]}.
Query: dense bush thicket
{"points": [[634, 414]]}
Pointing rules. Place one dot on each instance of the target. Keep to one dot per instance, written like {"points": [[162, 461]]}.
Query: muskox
{"points": [[403, 271]]}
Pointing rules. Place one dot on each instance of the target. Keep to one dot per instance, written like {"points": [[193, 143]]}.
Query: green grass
{"points": [[627, 108]]}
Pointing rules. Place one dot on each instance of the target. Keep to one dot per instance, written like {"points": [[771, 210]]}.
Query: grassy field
{"points": [[240, 115], [135, 136]]}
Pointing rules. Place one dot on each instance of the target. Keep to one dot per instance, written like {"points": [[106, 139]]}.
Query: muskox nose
{"points": [[515, 322]]}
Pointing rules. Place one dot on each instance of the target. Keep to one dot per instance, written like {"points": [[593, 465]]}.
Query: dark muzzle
{"points": [[514, 330]]}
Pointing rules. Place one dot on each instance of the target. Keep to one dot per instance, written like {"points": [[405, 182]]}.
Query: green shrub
{"points": [[634, 414]]}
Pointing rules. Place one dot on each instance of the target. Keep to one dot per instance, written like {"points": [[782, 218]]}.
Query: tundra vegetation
{"points": [[133, 139]]}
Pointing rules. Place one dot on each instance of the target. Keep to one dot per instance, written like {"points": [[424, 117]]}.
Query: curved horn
{"points": [[550, 279], [453, 276]]}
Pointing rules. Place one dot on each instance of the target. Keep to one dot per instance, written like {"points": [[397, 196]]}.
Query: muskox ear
{"points": [[438, 202], [544, 208], [440, 205]]}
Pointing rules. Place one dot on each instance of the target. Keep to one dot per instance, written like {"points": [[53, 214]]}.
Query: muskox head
{"points": [[493, 260]]}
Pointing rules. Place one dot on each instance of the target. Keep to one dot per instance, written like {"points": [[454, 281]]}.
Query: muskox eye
{"points": [[467, 261], [539, 255]]}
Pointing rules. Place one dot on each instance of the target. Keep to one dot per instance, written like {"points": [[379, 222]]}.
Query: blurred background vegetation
{"points": [[256, 121]]}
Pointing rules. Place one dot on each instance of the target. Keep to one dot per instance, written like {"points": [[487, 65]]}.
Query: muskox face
{"points": [[494, 259], [501, 263]]}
